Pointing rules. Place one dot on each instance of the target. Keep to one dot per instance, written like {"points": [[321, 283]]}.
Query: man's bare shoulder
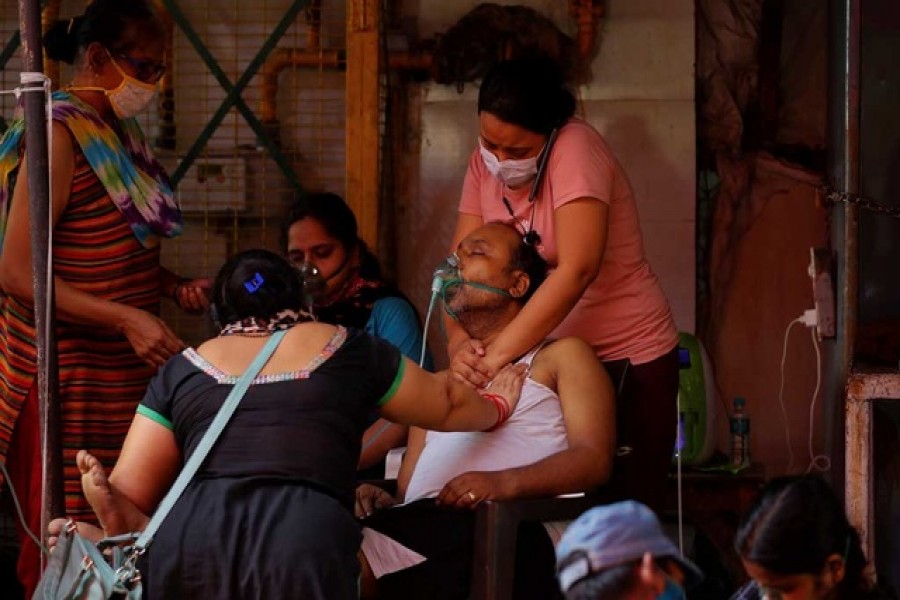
{"points": [[566, 355], [571, 364], [569, 348]]}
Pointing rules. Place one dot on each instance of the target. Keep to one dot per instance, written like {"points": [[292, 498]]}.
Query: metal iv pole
{"points": [[37, 149]]}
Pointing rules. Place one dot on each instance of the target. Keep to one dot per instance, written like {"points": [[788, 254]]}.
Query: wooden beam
{"points": [[362, 126]]}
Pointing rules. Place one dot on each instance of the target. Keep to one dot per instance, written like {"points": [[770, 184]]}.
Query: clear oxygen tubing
{"points": [[437, 282], [449, 267]]}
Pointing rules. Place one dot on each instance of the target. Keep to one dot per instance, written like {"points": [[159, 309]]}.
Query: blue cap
{"points": [[614, 535]]}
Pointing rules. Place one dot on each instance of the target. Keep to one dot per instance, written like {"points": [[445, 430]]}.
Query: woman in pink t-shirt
{"points": [[580, 211]]}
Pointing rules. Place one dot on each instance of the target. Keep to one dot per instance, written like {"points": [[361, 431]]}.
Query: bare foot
{"points": [[116, 513]]}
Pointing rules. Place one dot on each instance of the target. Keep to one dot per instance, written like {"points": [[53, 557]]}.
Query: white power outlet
{"points": [[820, 269]]}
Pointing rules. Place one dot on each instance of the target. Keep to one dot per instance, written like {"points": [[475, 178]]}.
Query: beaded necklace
{"points": [[264, 327]]}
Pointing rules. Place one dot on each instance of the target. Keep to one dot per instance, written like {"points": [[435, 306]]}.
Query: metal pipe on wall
{"points": [[282, 58], [843, 167], [586, 13], [36, 147]]}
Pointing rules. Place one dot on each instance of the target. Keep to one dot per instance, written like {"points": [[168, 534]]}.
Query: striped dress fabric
{"points": [[101, 378], [119, 154]]}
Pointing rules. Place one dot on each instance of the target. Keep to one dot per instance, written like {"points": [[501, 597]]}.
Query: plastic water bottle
{"points": [[740, 434]]}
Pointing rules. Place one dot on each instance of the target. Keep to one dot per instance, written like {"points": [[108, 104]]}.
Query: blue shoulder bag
{"points": [[78, 569]]}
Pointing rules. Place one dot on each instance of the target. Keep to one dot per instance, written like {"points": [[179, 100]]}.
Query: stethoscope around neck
{"points": [[448, 270], [529, 235]]}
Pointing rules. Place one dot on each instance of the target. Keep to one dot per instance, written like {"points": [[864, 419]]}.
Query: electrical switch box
{"points": [[214, 185], [821, 265]]}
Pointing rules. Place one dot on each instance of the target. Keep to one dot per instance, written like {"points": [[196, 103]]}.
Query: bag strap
{"points": [[209, 439]]}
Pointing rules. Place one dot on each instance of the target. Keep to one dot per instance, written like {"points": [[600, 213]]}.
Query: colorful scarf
{"points": [[123, 161], [354, 303], [261, 326]]}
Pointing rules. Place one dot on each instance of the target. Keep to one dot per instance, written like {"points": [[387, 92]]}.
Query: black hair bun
{"points": [[61, 40]]}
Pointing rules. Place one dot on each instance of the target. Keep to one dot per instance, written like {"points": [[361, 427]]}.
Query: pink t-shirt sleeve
{"points": [[470, 202], [581, 166]]}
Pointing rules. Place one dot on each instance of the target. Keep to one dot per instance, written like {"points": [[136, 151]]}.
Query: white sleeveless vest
{"points": [[534, 431]]}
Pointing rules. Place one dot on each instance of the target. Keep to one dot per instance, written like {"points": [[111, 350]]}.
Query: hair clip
{"points": [[254, 283]]}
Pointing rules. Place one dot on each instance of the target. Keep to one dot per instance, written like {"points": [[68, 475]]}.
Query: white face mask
{"points": [[128, 98], [131, 96], [511, 172]]}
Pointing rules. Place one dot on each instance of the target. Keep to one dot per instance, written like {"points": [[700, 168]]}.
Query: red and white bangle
{"points": [[503, 409]]}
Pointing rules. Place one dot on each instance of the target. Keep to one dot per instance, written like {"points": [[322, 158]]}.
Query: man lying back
{"points": [[560, 439]]}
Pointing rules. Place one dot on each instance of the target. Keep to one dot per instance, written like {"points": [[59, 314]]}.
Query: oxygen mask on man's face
{"points": [[448, 269], [452, 286], [312, 285], [448, 281]]}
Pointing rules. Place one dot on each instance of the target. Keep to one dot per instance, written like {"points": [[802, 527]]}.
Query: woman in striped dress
{"points": [[111, 203]]}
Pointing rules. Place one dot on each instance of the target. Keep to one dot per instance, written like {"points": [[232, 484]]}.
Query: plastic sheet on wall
{"points": [[728, 80]]}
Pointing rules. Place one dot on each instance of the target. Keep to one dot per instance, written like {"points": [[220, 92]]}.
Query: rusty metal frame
{"points": [[859, 473]]}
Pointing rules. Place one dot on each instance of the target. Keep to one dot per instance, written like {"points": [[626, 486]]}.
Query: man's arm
{"points": [[587, 398], [415, 443], [370, 498]]}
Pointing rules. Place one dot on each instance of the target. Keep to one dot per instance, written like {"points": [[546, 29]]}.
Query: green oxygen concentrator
{"points": [[696, 402]]}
